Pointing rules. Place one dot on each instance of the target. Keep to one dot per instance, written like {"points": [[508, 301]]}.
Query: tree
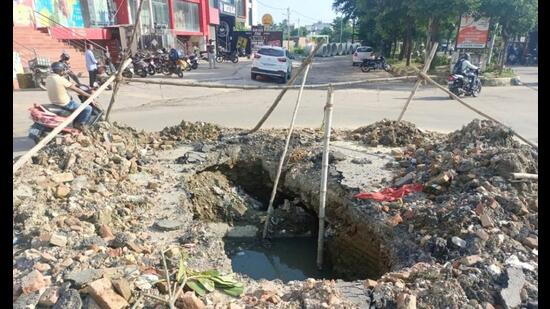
{"points": [[327, 31], [343, 27], [516, 17]]}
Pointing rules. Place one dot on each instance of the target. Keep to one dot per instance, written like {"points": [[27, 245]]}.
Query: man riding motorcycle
{"points": [[466, 68], [57, 87]]}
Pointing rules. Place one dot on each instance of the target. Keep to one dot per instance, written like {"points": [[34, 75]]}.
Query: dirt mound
{"points": [[481, 133], [389, 133], [192, 131]]}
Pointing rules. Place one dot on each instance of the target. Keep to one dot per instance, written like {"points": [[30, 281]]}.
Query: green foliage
{"points": [[207, 281], [298, 51], [493, 71], [440, 61]]}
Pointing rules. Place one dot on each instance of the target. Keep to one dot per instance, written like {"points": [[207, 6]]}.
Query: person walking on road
{"points": [[211, 49], [91, 64]]}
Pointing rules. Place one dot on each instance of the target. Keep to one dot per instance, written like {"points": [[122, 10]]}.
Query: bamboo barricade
{"points": [[23, 159], [419, 80], [283, 155], [324, 175]]}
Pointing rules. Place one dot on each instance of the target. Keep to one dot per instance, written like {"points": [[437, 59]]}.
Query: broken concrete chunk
{"points": [[83, 277], [69, 299], [123, 288], [63, 177], [511, 294], [58, 240], [33, 282], [102, 292], [49, 297], [169, 225]]}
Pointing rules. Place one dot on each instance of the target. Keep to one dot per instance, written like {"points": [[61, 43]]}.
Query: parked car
{"points": [[272, 61], [361, 53]]}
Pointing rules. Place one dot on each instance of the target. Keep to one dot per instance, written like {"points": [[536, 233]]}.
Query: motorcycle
{"points": [[227, 56], [193, 62], [40, 68], [460, 85], [242, 53], [46, 117], [151, 66], [373, 64], [174, 67], [140, 66]]}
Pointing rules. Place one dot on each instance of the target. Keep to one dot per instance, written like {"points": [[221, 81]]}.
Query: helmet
{"points": [[65, 57], [466, 56], [58, 67]]}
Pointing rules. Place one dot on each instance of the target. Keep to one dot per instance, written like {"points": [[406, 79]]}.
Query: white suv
{"points": [[272, 61]]}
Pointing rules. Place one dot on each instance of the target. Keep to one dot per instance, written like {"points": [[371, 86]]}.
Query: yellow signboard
{"points": [[267, 20]]}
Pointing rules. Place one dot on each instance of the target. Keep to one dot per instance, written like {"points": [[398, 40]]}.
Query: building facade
{"points": [[178, 23]]}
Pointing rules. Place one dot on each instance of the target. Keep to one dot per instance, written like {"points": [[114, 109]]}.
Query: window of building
{"points": [[213, 3], [100, 13], [160, 12], [240, 7], [145, 18], [186, 16]]}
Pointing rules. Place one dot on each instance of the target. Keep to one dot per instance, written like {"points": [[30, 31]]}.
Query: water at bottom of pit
{"points": [[286, 259]]}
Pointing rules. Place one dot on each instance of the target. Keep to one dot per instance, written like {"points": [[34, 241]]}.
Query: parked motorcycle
{"points": [[140, 66], [40, 68], [373, 64], [227, 56], [174, 67], [460, 85], [46, 117], [193, 62], [242, 53]]}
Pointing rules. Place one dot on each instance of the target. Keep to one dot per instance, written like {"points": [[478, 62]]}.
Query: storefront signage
{"points": [[228, 8], [473, 33], [259, 37]]}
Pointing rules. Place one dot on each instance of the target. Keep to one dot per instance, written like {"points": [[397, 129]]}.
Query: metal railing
{"points": [[80, 43]]}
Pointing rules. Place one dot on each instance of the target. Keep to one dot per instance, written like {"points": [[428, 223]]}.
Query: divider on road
{"points": [[260, 87]]}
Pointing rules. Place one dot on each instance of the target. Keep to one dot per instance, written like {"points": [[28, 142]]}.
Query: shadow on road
{"points": [[21, 144]]}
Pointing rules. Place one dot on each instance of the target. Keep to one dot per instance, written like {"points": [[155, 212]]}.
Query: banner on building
{"points": [[65, 12], [259, 37], [22, 12], [473, 33]]}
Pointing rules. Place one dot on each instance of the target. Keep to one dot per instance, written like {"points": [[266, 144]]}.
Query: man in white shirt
{"points": [[57, 87], [91, 64]]}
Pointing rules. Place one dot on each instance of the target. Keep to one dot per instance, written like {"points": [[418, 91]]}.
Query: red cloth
{"points": [[390, 194]]}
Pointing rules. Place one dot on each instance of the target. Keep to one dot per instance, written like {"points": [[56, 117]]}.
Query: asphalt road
{"points": [[153, 107]]}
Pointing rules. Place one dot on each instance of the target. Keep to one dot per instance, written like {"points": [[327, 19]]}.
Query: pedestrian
{"points": [[91, 64], [211, 49]]}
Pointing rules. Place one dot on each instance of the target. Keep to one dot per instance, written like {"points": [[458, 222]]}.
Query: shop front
{"points": [[224, 31]]}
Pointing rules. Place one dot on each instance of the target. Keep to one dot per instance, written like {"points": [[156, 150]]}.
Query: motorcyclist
{"points": [[57, 87], [466, 68], [64, 58]]}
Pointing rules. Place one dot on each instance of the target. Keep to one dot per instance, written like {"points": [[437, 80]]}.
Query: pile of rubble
{"points": [[389, 133], [93, 213]]}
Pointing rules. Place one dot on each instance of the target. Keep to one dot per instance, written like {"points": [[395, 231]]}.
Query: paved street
{"points": [[153, 107]]}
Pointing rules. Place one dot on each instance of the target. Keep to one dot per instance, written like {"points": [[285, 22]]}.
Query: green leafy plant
{"points": [[207, 281], [201, 283]]}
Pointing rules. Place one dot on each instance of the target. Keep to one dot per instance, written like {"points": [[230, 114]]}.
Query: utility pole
{"points": [[341, 23], [288, 28]]}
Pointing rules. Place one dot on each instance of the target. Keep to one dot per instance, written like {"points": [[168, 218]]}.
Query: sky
{"points": [[307, 11]]}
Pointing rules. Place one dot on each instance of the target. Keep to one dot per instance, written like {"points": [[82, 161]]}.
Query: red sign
{"points": [[473, 33]]}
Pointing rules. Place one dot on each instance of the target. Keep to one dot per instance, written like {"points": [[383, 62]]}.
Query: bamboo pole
{"points": [[124, 57], [525, 176], [418, 81], [431, 81], [324, 175], [255, 87], [305, 64], [283, 155], [23, 159]]}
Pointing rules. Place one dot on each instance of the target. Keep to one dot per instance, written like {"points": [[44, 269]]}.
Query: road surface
{"points": [[153, 107]]}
